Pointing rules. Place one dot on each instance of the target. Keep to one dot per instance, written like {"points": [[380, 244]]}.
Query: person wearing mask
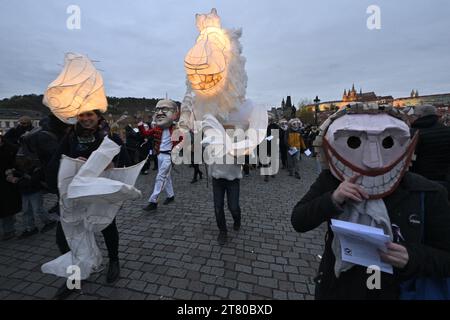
{"points": [[165, 114], [366, 152]]}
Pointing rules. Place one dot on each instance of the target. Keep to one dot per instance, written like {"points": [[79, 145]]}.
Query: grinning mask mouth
{"points": [[377, 148], [207, 61]]}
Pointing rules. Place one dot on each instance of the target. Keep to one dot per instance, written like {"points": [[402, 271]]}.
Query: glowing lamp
{"points": [[77, 89], [206, 62]]}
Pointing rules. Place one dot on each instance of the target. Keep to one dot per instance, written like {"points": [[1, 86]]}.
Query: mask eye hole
{"points": [[388, 142], [354, 142]]}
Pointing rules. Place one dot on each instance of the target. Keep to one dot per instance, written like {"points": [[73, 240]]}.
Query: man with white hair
{"points": [[433, 147]]}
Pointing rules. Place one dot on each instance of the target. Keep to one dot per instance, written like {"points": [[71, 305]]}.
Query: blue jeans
{"points": [[8, 224], [220, 186], [32, 204]]}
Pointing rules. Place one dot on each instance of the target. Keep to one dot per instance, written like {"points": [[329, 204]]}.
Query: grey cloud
{"points": [[300, 48]]}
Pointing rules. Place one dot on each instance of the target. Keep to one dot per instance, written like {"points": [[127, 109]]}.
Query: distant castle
{"points": [[438, 100], [353, 96], [286, 111]]}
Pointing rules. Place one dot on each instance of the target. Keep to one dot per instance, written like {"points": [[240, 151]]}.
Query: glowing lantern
{"points": [[77, 89], [206, 62]]}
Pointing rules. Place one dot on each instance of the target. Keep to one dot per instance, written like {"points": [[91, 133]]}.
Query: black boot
{"points": [[48, 226], [222, 238], [63, 292], [113, 271], [169, 200]]}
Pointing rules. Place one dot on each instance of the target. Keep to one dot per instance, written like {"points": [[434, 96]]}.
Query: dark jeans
{"points": [[283, 155], [110, 234], [246, 165], [220, 186]]}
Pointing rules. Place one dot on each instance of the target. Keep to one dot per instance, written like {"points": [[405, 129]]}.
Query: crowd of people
{"points": [[29, 161]]}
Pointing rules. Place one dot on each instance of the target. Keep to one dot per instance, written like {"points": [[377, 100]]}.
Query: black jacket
{"points": [[433, 149], [44, 141], [431, 259], [133, 140], [13, 135], [10, 200], [30, 181], [270, 127]]}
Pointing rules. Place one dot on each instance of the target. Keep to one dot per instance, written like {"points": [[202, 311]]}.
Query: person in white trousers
{"points": [[165, 114]]}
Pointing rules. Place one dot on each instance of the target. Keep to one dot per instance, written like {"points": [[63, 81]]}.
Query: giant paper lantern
{"points": [[215, 69], [216, 89], [77, 89], [206, 62]]}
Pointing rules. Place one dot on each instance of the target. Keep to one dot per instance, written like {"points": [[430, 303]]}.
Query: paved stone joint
{"points": [[174, 254]]}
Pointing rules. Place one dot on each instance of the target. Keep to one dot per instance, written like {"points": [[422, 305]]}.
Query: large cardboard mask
{"points": [[376, 147], [283, 123], [166, 112]]}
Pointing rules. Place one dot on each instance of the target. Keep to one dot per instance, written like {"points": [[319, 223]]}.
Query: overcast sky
{"points": [[297, 48]]}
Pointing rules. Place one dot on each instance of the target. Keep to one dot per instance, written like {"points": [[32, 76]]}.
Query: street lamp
{"points": [[316, 101]]}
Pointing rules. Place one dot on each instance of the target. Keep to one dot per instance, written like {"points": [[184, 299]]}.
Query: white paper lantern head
{"points": [[77, 89], [206, 62]]}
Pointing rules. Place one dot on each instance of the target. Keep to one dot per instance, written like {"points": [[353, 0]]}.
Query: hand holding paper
{"points": [[293, 151], [396, 255], [361, 244]]}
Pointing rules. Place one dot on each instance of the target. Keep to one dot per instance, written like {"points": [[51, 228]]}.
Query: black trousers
{"points": [[231, 188], [110, 234], [246, 165], [283, 155]]}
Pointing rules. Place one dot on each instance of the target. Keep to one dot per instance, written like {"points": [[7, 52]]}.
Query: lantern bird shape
{"points": [[78, 88], [217, 83]]}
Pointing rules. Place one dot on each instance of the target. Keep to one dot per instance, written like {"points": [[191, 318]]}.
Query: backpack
{"points": [[28, 144]]}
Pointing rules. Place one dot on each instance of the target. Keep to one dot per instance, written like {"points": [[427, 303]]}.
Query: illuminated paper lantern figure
{"points": [[216, 87], [206, 62], [77, 89]]}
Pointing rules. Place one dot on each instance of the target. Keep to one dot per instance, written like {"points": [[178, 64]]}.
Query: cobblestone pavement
{"points": [[174, 254]]}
